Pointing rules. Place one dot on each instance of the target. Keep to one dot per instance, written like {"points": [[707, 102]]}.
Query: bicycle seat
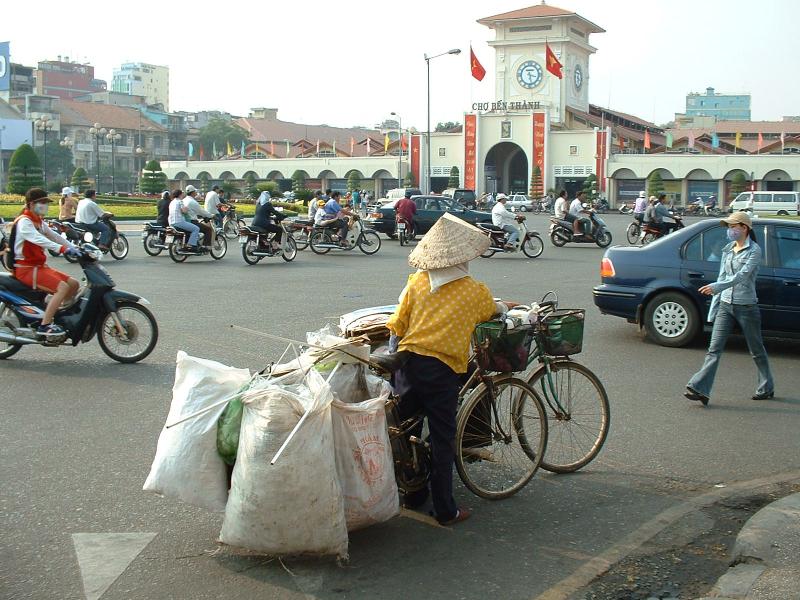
{"points": [[389, 362]]}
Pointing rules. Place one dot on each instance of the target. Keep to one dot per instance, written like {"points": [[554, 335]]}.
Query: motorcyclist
{"points": [[193, 210], [577, 214], [262, 222], [162, 219], [335, 214], [177, 219], [436, 315], [67, 205], [92, 218], [661, 211], [314, 204], [506, 220], [29, 239], [212, 204], [561, 206], [640, 207]]}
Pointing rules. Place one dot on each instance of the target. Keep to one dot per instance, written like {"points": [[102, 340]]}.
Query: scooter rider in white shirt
{"points": [[505, 219]]}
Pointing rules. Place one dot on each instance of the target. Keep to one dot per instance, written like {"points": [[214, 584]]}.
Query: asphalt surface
{"points": [[79, 433]]}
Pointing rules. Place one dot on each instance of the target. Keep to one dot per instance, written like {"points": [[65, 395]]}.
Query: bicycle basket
{"points": [[500, 349], [561, 332]]}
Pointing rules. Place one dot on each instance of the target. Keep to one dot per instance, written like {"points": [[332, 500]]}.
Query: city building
{"points": [[23, 80], [66, 79], [15, 130], [142, 79], [723, 107], [116, 98]]}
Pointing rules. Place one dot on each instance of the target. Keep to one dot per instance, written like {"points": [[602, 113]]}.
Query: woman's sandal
{"points": [[461, 515]]}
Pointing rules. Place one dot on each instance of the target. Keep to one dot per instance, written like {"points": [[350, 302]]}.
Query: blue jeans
{"points": [[749, 319], [100, 229], [192, 229], [513, 234]]}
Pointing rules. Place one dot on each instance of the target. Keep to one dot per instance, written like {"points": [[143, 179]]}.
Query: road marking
{"points": [[601, 563], [103, 557]]}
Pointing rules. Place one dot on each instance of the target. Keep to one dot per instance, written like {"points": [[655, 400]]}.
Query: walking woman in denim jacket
{"points": [[734, 301]]}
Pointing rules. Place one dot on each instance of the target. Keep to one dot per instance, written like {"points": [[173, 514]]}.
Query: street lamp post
{"points": [[139, 156], [44, 125], [400, 149], [97, 131], [428, 136], [113, 137], [68, 144]]}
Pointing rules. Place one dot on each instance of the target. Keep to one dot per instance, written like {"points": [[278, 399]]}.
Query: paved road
{"points": [[79, 433]]}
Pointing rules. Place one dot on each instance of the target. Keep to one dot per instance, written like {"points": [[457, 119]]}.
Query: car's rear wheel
{"points": [[783, 213], [671, 319]]}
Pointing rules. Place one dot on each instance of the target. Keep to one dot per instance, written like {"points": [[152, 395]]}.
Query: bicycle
{"points": [[633, 232], [577, 405], [501, 424]]}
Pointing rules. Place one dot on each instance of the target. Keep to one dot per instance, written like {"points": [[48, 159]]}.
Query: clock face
{"points": [[578, 77], [529, 74]]}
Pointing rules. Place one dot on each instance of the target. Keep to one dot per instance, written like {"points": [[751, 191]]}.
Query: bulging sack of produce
{"points": [[364, 463], [294, 506], [187, 466]]}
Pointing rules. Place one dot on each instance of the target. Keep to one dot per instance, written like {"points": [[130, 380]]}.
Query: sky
{"points": [[353, 62]]}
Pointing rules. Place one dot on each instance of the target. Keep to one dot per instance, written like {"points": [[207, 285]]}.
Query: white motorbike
{"points": [[323, 238], [530, 242]]}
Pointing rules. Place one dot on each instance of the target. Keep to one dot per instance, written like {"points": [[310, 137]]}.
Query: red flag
{"points": [[202, 153], [478, 72], [621, 143], [760, 140], [553, 65], [403, 143], [272, 147], [647, 139], [352, 144]]}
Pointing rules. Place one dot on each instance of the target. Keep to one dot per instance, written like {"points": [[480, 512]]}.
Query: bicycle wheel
{"points": [[632, 233], [577, 433], [500, 441]]}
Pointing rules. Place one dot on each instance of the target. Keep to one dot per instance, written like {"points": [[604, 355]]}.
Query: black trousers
{"points": [[426, 383], [269, 228]]}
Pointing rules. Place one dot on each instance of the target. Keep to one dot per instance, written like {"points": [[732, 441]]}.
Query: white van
{"points": [[768, 203]]}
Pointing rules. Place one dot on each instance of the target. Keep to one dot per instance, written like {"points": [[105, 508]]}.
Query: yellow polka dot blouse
{"points": [[440, 324]]}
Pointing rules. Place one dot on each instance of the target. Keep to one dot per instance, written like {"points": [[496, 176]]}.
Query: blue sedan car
{"points": [[656, 286]]}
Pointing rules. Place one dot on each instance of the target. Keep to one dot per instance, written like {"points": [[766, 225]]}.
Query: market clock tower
{"points": [[520, 67]]}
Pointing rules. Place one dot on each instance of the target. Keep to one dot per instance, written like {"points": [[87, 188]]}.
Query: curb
{"points": [[765, 556]]}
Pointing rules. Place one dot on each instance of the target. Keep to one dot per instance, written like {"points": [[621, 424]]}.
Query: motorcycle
{"points": [[650, 232], [154, 238], [530, 242], [601, 206], [301, 231], [256, 245], [176, 239], [404, 231], [75, 232], [231, 222], [126, 330], [626, 208], [367, 240], [561, 232], [4, 242]]}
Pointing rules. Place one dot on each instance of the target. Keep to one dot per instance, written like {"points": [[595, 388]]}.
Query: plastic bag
{"points": [[228, 428], [294, 506], [364, 463], [186, 465], [353, 383]]}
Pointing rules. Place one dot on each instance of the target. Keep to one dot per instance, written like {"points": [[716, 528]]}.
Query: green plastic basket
{"points": [[561, 332], [502, 350]]}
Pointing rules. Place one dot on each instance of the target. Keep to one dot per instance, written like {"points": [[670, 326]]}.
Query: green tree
{"points": [[738, 185], [447, 126], [229, 187], [268, 186], [203, 182], [298, 181], [655, 185], [24, 170], [409, 181], [455, 179], [59, 158], [154, 180], [353, 180], [536, 183], [590, 186], [250, 185], [80, 180], [220, 133]]}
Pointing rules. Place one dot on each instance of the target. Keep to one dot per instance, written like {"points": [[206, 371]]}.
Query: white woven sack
{"points": [[294, 506], [187, 466], [364, 463]]}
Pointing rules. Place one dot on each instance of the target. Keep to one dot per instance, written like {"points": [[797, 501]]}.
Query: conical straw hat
{"points": [[451, 241]]}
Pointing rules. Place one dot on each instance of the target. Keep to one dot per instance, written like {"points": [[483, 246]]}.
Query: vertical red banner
{"points": [[538, 142], [470, 150], [600, 162], [415, 152]]}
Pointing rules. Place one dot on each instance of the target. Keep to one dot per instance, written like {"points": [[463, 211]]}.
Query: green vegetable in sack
{"points": [[228, 426]]}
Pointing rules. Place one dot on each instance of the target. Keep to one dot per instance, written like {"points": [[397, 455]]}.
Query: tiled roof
{"points": [[734, 127], [626, 116], [536, 12], [86, 114], [7, 111], [265, 131]]}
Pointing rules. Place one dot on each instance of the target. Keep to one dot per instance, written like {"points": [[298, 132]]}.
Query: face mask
{"points": [[734, 235], [40, 208]]}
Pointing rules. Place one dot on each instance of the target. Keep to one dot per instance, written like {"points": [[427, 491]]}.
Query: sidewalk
{"points": [[766, 556]]}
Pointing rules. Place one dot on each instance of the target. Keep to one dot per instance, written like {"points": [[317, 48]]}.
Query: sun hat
{"points": [[451, 241], [738, 218], [642, 194], [37, 195], [502, 197], [190, 189], [67, 191]]}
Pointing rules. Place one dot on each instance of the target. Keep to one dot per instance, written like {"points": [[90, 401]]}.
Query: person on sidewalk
{"points": [[734, 302], [437, 313]]}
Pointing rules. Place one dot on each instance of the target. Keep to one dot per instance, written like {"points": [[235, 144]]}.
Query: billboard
{"points": [[5, 67]]}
